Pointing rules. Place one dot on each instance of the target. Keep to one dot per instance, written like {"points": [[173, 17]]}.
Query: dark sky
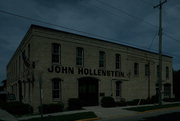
{"points": [[130, 22]]}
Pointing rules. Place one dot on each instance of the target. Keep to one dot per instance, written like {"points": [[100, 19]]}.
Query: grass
{"points": [[146, 108], [66, 117]]}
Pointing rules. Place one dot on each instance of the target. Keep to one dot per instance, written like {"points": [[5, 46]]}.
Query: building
{"points": [[68, 65]]}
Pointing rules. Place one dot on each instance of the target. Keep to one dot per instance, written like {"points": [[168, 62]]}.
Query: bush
{"points": [[52, 108], [108, 102], [121, 103], [133, 102], [74, 104], [170, 99], [18, 108], [154, 99]]}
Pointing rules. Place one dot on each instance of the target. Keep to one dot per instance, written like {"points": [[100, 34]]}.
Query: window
{"points": [[28, 51], [118, 61], [101, 59], [147, 70], [118, 89], [79, 56], [158, 72], [136, 69], [56, 88], [19, 65], [167, 90], [55, 53], [167, 72]]}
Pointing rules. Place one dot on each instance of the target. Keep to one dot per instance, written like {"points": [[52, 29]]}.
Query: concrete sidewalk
{"points": [[106, 113], [5, 116]]}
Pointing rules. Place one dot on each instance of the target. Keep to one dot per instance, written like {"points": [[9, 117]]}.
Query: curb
{"points": [[160, 109], [89, 119]]}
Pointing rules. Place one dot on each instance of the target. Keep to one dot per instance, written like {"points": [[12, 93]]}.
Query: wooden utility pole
{"points": [[160, 51]]}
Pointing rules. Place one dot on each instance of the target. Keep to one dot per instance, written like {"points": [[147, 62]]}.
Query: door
{"points": [[88, 91]]}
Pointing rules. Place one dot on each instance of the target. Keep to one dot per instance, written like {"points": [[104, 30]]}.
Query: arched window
{"points": [[56, 89]]}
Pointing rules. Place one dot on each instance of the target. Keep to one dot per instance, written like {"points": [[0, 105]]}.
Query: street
{"points": [[172, 114]]}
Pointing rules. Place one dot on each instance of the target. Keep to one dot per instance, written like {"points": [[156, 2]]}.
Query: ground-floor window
{"points": [[56, 88], [118, 89], [167, 90]]}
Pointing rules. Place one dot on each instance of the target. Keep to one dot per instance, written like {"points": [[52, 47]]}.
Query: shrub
{"points": [[170, 99], [108, 102], [154, 99], [52, 108], [121, 103], [18, 108], [74, 104], [133, 102]]}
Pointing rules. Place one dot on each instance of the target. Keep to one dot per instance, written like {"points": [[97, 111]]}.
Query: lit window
{"points": [[55, 53], [79, 56], [118, 61], [102, 59], [56, 88]]}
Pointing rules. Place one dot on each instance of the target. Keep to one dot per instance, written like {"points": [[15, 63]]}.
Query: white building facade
{"points": [[74, 66]]}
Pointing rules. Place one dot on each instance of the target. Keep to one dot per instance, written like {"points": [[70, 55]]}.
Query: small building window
{"points": [[118, 61], [167, 72], [56, 48], [136, 69], [158, 72], [79, 56], [56, 89], [118, 89], [29, 51], [167, 90], [147, 69], [102, 59]]}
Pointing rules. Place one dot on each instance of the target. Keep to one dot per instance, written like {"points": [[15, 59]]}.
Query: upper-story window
{"points": [[102, 59], [118, 61], [79, 56], [56, 48], [28, 51], [167, 72], [136, 69], [158, 72], [147, 69]]}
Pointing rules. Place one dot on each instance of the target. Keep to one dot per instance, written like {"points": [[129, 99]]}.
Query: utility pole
{"points": [[40, 94], [160, 51]]}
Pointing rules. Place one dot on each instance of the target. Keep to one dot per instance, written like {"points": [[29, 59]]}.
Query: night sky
{"points": [[129, 22]]}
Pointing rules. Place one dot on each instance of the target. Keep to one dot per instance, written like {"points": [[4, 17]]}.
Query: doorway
{"points": [[88, 91]]}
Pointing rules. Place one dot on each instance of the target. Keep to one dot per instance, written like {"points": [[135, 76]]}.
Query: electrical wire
{"points": [[126, 13]]}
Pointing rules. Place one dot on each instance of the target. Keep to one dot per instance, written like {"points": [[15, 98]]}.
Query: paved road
{"points": [[5, 116], [145, 115]]}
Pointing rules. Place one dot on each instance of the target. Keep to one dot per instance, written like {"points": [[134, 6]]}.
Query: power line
{"points": [[153, 40], [44, 22], [171, 37], [106, 38], [126, 13], [147, 2]]}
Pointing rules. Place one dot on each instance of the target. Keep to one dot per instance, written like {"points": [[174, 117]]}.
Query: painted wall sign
{"points": [[84, 71]]}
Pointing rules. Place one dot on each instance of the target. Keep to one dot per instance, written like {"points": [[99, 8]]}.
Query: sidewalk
{"points": [[5, 116], [103, 113]]}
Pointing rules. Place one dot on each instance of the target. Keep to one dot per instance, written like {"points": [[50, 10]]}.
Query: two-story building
{"points": [[66, 65]]}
